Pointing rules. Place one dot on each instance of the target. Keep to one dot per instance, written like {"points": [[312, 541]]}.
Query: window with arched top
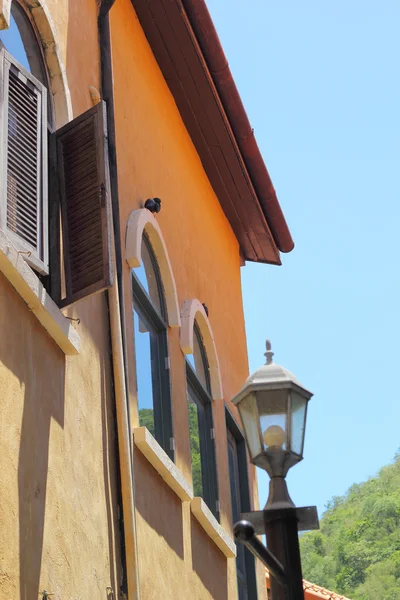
{"points": [[201, 428], [151, 348], [25, 100], [49, 177], [22, 42]]}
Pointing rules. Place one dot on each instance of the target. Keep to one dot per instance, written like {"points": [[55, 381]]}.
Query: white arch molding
{"points": [[193, 311], [140, 221], [55, 65]]}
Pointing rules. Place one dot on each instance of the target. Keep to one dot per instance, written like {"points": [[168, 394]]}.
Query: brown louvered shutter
{"points": [[85, 204], [23, 210]]}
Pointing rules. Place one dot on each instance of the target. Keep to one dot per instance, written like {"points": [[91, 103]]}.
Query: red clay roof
{"points": [[314, 592]]}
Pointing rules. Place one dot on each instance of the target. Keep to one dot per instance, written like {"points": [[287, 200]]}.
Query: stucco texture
{"points": [[57, 496], [58, 492], [156, 157]]}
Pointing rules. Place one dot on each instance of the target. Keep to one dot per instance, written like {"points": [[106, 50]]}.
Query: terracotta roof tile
{"points": [[316, 591]]}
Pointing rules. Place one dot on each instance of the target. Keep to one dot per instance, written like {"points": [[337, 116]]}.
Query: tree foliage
{"points": [[356, 552], [146, 419], [194, 434]]}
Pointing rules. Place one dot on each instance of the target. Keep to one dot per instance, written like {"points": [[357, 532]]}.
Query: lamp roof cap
{"points": [[271, 374]]}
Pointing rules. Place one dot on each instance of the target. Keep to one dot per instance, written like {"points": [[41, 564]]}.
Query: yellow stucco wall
{"points": [[58, 505], [57, 462], [58, 498]]}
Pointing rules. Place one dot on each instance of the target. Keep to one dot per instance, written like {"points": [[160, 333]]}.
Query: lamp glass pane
{"points": [[249, 415], [298, 422], [272, 407]]}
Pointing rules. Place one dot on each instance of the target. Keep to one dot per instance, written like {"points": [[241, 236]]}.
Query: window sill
{"points": [[211, 526], [164, 466], [29, 287]]}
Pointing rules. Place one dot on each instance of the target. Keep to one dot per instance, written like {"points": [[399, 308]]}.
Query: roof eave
{"points": [[187, 49]]}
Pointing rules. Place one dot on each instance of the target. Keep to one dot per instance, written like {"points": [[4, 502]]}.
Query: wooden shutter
{"points": [[82, 161], [23, 210]]}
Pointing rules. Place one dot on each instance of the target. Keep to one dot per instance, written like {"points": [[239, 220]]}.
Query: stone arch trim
{"points": [[193, 310], [5, 13], [41, 16], [140, 221]]}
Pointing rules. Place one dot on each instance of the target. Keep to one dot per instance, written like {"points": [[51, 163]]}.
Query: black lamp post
{"points": [[273, 409]]}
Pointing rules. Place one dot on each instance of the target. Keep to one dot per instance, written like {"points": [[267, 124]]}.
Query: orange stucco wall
{"points": [[157, 158], [59, 494]]}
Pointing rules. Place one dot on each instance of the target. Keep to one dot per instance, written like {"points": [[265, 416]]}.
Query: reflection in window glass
{"points": [[144, 374], [148, 275], [201, 426], [12, 40], [190, 359], [194, 433], [151, 349], [198, 360]]}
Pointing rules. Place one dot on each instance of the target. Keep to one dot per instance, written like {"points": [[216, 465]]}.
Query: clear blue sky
{"points": [[320, 82]]}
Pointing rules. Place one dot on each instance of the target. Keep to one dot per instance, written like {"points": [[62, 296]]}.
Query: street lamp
{"points": [[273, 410]]}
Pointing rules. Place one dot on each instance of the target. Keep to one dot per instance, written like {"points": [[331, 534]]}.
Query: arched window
{"points": [[75, 169], [151, 348], [201, 428], [24, 108], [21, 40]]}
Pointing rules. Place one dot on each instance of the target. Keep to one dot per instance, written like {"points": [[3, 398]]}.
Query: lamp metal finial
{"points": [[268, 354]]}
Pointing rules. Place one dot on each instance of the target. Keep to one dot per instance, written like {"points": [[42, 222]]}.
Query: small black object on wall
{"points": [[153, 205]]}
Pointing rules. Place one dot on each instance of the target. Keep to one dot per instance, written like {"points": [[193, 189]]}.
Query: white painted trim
{"points": [[193, 310], [162, 463], [211, 526], [31, 290], [142, 220], [55, 65]]}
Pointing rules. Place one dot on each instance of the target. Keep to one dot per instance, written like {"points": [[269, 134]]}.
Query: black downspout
{"points": [[108, 97]]}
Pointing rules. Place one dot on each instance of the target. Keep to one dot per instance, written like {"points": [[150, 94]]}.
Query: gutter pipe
{"points": [[217, 63], [130, 584]]}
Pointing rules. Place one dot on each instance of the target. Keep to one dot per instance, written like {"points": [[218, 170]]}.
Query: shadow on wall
{"points": [[32, 375], [39, 409], [39, 365], [208, 562], [108, 418], [152, 493]]}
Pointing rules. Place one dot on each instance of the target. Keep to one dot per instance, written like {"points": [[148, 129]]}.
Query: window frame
{"points": [[202, 397], [38, 258], [35, 53], [244, 496], [160, 368]]}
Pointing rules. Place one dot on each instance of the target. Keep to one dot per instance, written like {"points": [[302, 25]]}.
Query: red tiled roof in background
{"points": [[314, 592]]}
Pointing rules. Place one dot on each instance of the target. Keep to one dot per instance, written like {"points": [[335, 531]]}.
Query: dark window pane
{"points": [[201, 441], [198, 360], [190, 359], [194, 433], [144, 373], [149, 276], [236, 509]]}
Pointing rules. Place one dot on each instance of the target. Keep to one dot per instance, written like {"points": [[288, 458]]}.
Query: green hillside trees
{"points": [[356, 552]]}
